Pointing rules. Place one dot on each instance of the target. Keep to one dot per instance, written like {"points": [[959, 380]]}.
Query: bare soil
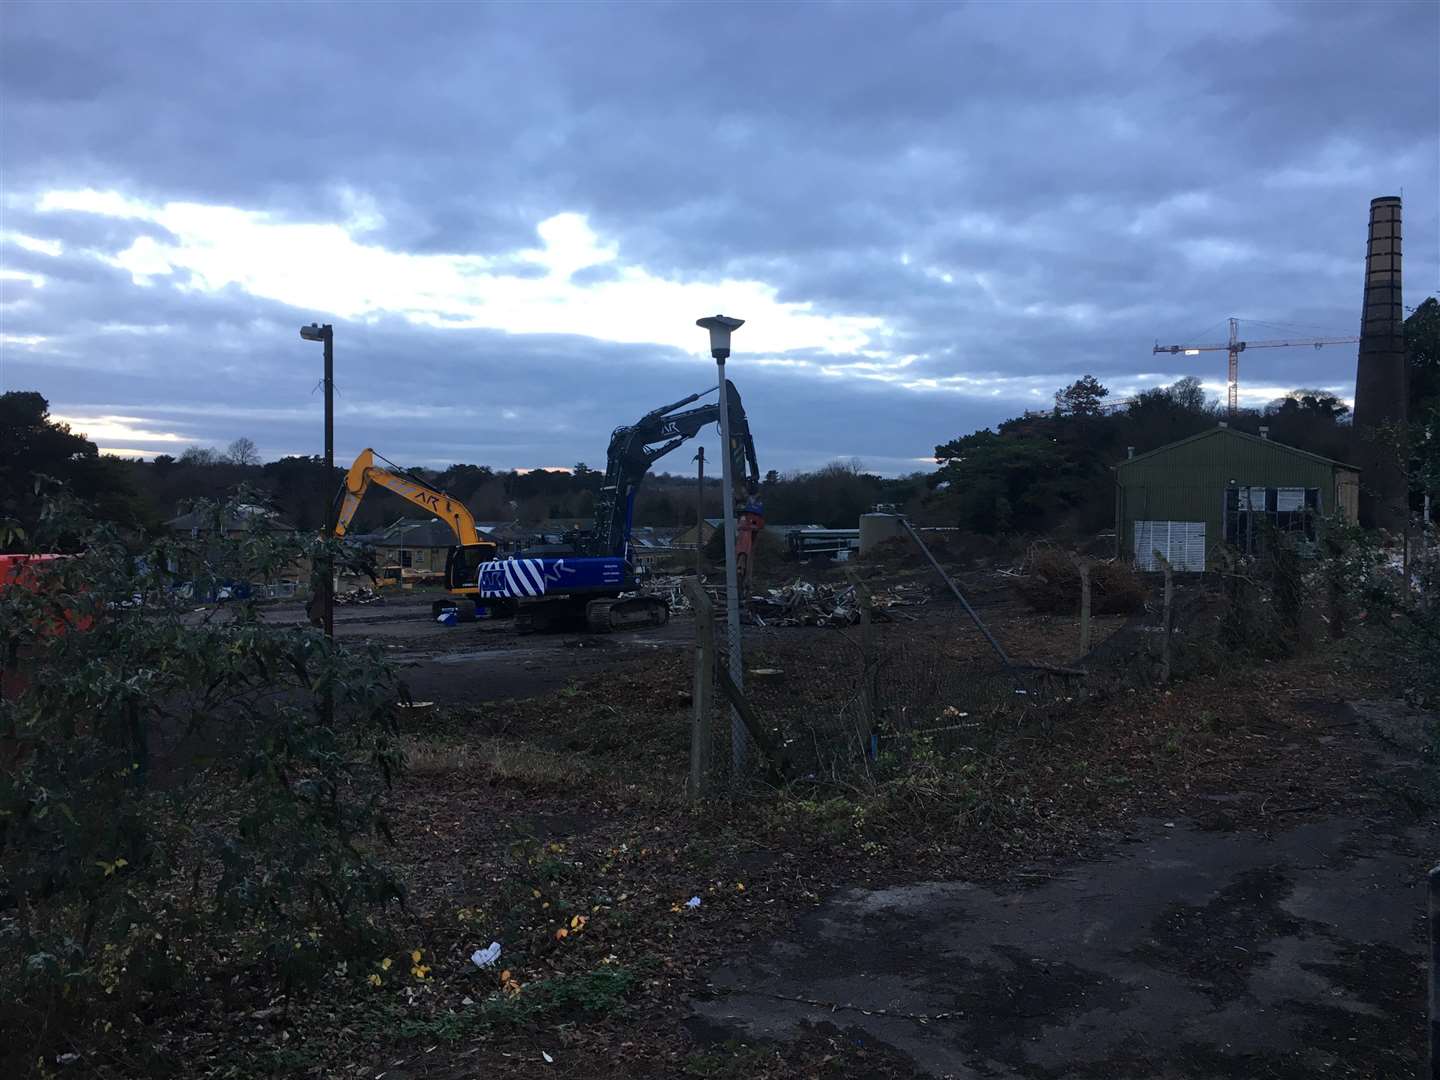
{"points": [[1216, 880]]}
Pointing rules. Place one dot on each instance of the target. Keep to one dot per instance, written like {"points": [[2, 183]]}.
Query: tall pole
{"points": [[1433, 894], [738, 734], [329, 333], [700, 515], [721, 327]]}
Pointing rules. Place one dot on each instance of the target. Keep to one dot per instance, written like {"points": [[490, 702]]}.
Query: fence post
{"points": [[774, 755], [979, 624], [704, 683], [1433, 881], [867, 661], [1167, 617], [1084, 565]]}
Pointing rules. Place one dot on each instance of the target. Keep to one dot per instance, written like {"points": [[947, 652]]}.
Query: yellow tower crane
{"points": [[1235, 347]]}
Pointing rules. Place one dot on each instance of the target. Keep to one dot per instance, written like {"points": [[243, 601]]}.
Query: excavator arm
{"points": [[365, 472], [635, 447], [464, 558]]}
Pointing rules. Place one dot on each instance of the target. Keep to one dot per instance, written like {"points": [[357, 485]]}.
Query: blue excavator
{"points": [[592, 574]]}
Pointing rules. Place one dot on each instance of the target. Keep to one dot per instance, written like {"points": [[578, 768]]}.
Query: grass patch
{"points": [[562, 997], [438, 756], [435, 756], [731, 1060]]}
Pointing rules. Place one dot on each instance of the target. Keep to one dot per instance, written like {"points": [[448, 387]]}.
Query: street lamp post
{"points": [[721, 327], [326, 334]]}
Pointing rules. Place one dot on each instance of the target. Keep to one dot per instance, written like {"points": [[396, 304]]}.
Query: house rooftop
{"points": [[1229, 432], [238, 520]]}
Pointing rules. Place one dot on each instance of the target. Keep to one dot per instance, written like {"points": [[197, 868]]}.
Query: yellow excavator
{"points": [[463, 562]]}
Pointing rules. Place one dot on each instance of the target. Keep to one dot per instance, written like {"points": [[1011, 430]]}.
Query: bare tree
{"points": [[199, 455], [242, 452]]}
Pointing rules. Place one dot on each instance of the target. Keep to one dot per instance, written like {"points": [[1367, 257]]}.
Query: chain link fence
{"points": [[870, 667], [862, 670], [857, 671]]}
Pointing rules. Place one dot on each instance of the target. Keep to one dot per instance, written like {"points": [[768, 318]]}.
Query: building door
{"points": [[1182, 543]]}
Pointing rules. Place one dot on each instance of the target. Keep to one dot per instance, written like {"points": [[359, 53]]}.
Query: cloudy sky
{"points": [[931, 215]]}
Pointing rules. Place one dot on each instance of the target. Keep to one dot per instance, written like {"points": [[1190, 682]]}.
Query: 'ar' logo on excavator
{"points": [[669, 428]]}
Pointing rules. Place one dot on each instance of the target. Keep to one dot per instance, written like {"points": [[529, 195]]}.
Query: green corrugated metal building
{"points": [[1187, 499]]}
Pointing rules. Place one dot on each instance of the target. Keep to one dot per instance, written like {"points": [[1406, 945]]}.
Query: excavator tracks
{"points": [[626, 613]]}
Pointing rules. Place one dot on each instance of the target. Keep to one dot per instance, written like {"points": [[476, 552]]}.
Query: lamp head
{"points": [[315, 332], [720, 327]]}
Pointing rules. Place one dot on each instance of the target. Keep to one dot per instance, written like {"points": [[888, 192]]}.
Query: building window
{"points": [[1252, 512]]}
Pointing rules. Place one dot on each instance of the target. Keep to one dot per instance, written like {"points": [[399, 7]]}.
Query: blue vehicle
{"points": [[585, 580]]}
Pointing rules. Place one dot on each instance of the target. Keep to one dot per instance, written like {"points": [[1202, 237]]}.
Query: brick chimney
{"points": [[1380, 390]]}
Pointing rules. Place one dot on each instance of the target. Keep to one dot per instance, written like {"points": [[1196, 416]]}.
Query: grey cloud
{"points": [[1110, 147]]}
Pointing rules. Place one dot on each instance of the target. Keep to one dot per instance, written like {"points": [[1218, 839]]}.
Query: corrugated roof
{"points": [[205, 521], [1223, 431], [432, 534]]}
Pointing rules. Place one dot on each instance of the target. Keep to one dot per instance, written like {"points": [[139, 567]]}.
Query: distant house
{"points": [[651, 544], [415, 544], [1224, 487], [687, 538], [232, 523], [508, 535]]}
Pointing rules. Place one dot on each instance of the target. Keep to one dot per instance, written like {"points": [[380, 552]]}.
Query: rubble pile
{"points": [[806, 604], [359, 595], [801, 603], [672, 588]]}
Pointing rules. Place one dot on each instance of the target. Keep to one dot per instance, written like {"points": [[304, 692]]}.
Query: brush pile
{"points": [[1050, 582]]}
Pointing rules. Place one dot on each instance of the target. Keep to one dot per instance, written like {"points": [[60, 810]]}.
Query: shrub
{"points": [[1051, 583], [175, 796]]}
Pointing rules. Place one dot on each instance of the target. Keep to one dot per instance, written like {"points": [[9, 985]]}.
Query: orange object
{"points": [[20, 569], [27, 572], [750, 523]]}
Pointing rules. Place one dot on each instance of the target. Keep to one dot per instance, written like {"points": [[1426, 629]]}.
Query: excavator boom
{"points": [[365, 472], [594, 583], [635, 447]]}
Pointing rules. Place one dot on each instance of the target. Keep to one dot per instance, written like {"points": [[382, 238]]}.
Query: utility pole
{"points": [[700, 515], [326, 335], [720, 327], [329, 472]]}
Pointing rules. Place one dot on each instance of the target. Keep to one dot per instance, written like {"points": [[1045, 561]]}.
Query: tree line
{"points": [[1041, 472], [37, 452], [1048, 472]]}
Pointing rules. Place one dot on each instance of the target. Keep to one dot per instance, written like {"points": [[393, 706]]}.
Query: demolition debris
{"points": [[805, 604], [801, 603]]}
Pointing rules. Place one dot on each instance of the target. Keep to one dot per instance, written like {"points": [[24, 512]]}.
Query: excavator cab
{"points": [[462, 565]]}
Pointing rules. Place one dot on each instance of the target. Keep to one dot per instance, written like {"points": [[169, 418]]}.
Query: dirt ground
{"points": [[483, 660], [488, 661], [1220, 880]]}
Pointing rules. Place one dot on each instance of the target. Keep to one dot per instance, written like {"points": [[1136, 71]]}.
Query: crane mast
{"points": [[1235, 347]]}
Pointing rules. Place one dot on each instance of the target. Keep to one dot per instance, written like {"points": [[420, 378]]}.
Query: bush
{"points": [[1051, 583], [174, 799]]}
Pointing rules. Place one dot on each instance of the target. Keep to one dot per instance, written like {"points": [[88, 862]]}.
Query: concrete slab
{"points": [[1190, 953]]}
